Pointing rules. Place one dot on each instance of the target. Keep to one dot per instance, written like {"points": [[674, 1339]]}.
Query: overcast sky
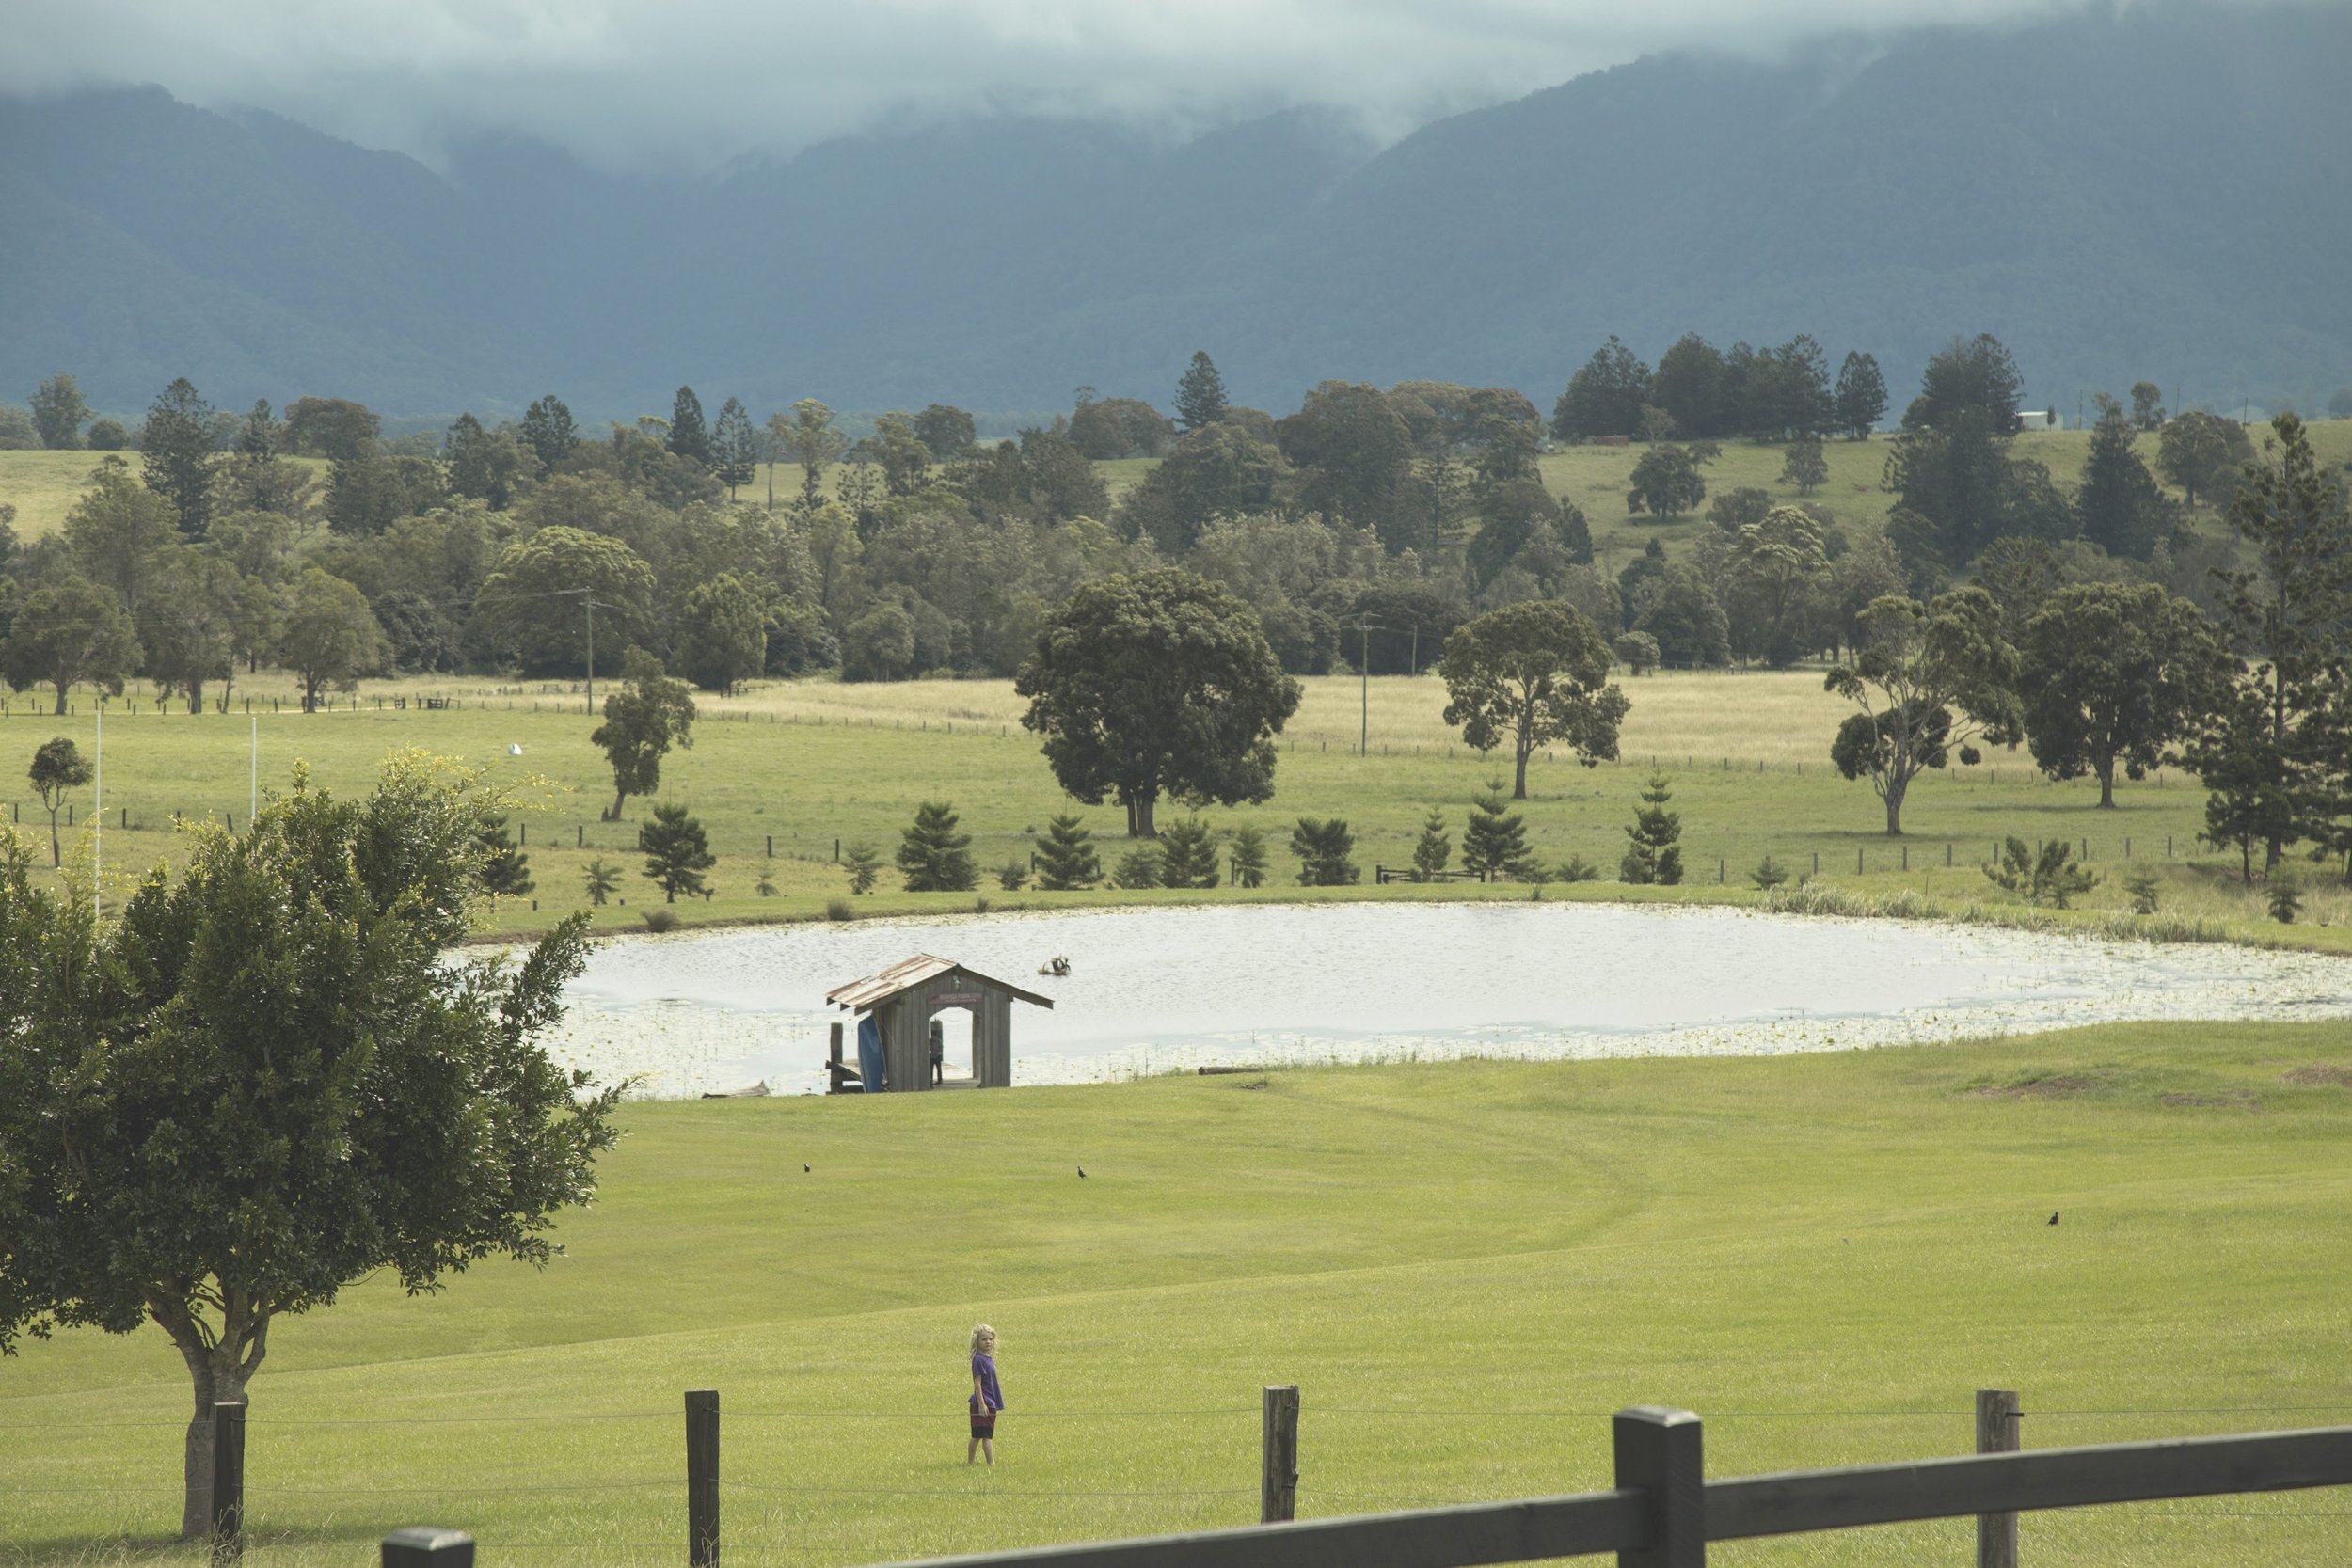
{"points": [[708, 79]]}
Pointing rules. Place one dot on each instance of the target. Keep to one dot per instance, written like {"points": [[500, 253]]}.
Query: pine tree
{"points": [[688, 436], [1434, 849], [177, 448], [735, 453], [505, 868], [676, 853], [934, 856], [1065, 860], [262, 435], [1200, 395], [1248, 857], [1494, 839], [549, 431], [1140, 867], [862, 862], [1188, 855], [2121, 508], [1653, 856], [1324, 850], [1860, 401]]}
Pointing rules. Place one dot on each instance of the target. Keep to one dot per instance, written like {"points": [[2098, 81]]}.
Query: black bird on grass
{"points": [[2053, 1219], [1082, 1173], [803, 1170]]}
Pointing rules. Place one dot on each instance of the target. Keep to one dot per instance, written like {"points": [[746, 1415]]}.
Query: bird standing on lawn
{"points": [[2053, 1219], [1082, 1173]]}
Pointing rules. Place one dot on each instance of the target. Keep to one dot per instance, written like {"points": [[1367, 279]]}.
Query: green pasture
{"points": [[806, 762], [1464, 1267]]}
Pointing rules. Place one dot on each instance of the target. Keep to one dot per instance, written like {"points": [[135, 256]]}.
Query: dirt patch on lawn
{"points": [[2327, 1074], [2056, 1087], [2229, 1100]]}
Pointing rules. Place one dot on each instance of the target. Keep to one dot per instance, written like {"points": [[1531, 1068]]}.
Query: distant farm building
{"points": [[899, 1020], [2043, 419]]}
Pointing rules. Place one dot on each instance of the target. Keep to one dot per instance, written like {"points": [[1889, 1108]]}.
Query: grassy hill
{"points": [[1465, 1267]]}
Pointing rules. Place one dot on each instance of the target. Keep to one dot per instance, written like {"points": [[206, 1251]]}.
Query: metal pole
{"points": [[97, 814], [1364, 670], [253, 781], [588, 602]]}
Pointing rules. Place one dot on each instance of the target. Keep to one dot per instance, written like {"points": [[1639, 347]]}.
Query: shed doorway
{"points": [[951, 1032]]}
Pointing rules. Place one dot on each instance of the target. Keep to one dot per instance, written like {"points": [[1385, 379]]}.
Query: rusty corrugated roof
{"points": [[909, 973]]}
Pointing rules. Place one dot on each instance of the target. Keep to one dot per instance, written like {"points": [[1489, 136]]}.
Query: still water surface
{"points": [[1154, 990]]}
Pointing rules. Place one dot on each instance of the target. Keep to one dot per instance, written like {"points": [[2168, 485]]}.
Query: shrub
{"points": [[1140, 867], [2048, 876], [1013, 876], [1248, 857], [840, 908], [1065, 860], [659, 920], [1768, 873], [766, 886], [862, 862], [1188, 855], [1576, 868], [2285, 897], [2143, 890]]}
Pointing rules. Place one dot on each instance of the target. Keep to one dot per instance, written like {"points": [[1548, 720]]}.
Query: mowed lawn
{"points": [[1465, 1267], [807, 762]]}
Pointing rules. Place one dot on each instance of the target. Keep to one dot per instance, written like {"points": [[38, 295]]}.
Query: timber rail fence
{"points": [[1661, 1509]]}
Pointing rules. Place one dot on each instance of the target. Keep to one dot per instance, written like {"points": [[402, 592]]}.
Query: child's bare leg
{"points": [[972, 1448], [988, 1447]]}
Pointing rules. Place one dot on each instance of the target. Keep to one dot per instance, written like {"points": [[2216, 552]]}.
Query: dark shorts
{"points": [[983, 1423]]}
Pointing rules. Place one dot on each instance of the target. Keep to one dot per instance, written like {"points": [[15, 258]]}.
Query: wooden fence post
{"points": [[1996, 1433], [1277, 1469], [772, 846], [702, 1478], [426, 1546], [1658, 1451], [228, 1483]]}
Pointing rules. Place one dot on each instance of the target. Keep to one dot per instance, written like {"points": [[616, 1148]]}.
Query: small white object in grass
{"points": [[515, 748]]}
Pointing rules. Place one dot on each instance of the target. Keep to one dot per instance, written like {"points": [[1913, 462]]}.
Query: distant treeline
{"points": [[1363, 527]]}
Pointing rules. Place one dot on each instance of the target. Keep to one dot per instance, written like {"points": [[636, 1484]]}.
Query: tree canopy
{"points": [[2114, 676], [647, 716], [299, 1089], [1533, 674], [1157, 684], [1928, 677]]}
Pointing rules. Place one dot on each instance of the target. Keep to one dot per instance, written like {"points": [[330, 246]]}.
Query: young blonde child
{"points": [[987, 1397]]}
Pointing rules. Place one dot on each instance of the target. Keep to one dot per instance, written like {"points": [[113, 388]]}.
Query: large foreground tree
{"points": [[1159, 683], [1529, 674], [266, 1083]]}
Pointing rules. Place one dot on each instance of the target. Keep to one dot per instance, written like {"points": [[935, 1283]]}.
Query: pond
{"points": [[1154, 990]]}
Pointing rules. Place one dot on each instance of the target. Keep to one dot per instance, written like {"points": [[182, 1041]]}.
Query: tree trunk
{"points": [[56, 859], [2107, 784], [1519, 784], [1895, 788], [196, 694], [60, 708], [1144, 827], [215, 1383], [619, 796]]}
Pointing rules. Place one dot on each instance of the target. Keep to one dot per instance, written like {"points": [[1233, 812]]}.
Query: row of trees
{"points": [[1698, 391]]}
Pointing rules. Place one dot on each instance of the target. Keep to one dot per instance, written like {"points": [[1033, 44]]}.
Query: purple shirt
{"points": [[984, 1369]]}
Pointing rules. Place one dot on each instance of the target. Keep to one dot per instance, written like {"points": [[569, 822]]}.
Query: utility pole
{"points": [[1363, 669], [98, 813], [588, 603]]}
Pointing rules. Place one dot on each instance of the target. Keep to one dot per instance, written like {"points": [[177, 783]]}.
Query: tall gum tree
{"points": [[1533, 673], [265, 1082], [1927, 678]]}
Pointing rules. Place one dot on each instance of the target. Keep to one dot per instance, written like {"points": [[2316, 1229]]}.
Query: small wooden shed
{"points": [[903, 1000]]}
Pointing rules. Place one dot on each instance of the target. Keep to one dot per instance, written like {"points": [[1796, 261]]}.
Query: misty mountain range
{"points": [[2161, 194]]}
